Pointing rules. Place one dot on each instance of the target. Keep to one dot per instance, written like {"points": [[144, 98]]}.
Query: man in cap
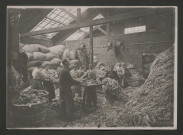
{"points": [[66, 96]]}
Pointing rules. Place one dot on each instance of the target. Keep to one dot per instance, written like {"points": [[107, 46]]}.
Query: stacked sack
{"points": [[52, 56], [36, 52]]}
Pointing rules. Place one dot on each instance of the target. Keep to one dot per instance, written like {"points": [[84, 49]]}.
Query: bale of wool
{"points": [[66, 54], [45, 63], [31, 69], [30, 56], [55, 61], [30, 48], [73, 54], [39, 56], [50, 56], [31, 64], [57, 50]]}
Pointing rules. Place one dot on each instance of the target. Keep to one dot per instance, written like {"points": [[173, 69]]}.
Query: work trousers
{"points": [[50, 88], [67, 107], [91, 96]]}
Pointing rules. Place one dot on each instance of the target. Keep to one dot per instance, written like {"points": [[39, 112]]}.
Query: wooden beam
{"points": [[91, 45], [78, 14], [55, 20], [138, 13], [108, 28], [69, 13], [13, 30], [102, 30]]}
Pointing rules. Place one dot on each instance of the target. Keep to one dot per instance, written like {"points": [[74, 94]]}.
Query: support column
{"points": [[91, 45], [108, 28], [13, 30], [78, 14]]}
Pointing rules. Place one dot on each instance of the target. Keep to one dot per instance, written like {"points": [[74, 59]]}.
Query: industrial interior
{"points": [[90, 67]]}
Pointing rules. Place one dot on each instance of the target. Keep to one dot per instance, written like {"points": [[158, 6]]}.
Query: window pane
{"points": [[135, 29]]}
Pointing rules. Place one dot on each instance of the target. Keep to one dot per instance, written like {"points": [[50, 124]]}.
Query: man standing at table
{"points": [[66, 96], [91, 90]]}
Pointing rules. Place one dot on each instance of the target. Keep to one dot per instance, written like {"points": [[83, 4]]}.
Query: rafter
{"points": [[102, 30], [138, 13], [69, 13], [55, 20]]}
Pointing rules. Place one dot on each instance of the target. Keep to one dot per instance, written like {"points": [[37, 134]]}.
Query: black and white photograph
{"points": [[91, 67]]}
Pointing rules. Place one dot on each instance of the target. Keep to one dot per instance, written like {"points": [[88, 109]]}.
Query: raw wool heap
{"points": [[152, 103], [30, 96]]}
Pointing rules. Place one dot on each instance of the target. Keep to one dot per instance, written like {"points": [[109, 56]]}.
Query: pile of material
{"points": [[147, 61], [31, 97], [152, 103]]}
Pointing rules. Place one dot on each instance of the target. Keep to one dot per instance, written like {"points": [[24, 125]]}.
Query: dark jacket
{"points": [[66, 81]]}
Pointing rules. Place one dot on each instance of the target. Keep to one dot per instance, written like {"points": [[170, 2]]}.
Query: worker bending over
{"points": [[48, 84], [66, 96], [38, 77]]}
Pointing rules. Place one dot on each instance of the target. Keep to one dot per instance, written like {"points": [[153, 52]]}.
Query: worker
{"points": [[38, 77], [112, 74], [121, 74], [66, 96], [91, 90], [20, 64], [48, 84], [75, 74]]}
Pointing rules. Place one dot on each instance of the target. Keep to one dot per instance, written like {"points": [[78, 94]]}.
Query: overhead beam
{"points": [[69, 13], [55, 20], [102, 30], [138, 13]]}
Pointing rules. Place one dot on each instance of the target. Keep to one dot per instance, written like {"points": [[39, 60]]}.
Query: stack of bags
{"points": [[52, 55], [41, 53]]}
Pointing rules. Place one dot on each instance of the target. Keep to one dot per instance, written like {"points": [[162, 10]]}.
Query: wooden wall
{"points": [[158, 37]]}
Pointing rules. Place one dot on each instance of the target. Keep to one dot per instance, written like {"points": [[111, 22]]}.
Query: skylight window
{"points": [[135, 29], [57, 17], [83, 32]]}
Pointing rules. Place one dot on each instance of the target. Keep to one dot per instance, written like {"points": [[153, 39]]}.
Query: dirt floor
{"points": [[101, 116]]}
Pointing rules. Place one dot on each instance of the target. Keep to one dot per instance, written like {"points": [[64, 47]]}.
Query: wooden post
{"points": [[108, 28], [13, 30], [91, 45], [78, 14]]}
